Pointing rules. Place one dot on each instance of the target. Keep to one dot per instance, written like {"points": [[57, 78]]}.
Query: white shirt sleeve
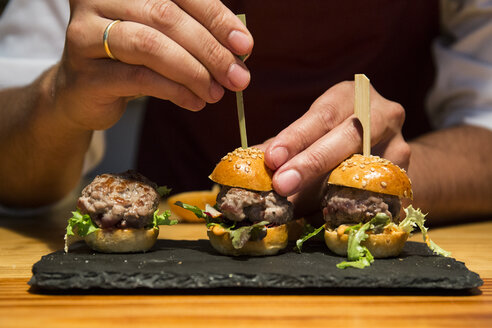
{"points": [[462, 93], [32, 36]]}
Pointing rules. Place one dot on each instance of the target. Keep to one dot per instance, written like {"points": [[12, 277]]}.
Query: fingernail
{"points": [[288, 182], [279, 156], [197, 105], [216, 91], [238, 76], [239, 42]]}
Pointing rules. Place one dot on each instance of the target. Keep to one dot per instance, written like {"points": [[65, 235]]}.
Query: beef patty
{"points": [[124, 200], [240, 204], [345, 205]]}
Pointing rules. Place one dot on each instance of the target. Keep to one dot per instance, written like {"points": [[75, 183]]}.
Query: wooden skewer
{"points": [[362, 109], [240, 103]]}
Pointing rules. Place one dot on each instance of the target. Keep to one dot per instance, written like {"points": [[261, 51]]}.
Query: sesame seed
{"points": [[253, 156], [372, 169], [237, 166], [383, 184], [246, 169], [362, 166], [356, 177], [230, 159], [364, 183], [343, 168], [224, 158]]}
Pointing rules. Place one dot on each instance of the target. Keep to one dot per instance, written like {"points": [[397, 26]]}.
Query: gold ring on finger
{"points": [[106, 39]]}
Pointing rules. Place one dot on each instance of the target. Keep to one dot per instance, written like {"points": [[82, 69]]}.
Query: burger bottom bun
{"points": [[381, 245], [275, 240], [122, 240]]}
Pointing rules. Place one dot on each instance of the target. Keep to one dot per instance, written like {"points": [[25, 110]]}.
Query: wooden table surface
{"points": [[23, 240]]}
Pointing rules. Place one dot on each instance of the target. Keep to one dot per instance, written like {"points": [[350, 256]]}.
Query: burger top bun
{"points": [[243, 168], [372, 173]]}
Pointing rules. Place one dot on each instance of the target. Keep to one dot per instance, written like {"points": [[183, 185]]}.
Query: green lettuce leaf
{"points": [[163, 191], [238, 236], [242, 235], [309, 232], [358, 256], [379, 222], [414, 217], [359, 264], [162, 219], [81, 224], [201, 214]]}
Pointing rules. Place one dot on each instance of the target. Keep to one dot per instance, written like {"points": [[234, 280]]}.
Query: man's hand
{"points": [[184, 51], [306, 151]]}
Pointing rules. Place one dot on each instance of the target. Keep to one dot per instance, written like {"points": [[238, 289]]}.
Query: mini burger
{"points": [[118, 213], [362, 207], [249, 218]]}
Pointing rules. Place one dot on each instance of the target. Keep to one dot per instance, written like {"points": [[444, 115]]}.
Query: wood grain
{"points": [[31, 310], [24, 241]]}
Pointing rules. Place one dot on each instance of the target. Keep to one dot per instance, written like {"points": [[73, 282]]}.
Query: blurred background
{"points": [[2, 5]]}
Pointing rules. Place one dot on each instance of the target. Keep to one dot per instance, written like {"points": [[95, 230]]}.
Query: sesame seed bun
{"points": [[372, 173], [243, 168], [122, 240], [275, 240], [387, 244]]}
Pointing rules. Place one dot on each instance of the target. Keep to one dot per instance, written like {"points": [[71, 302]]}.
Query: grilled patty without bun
{"points": [[118, 213]]}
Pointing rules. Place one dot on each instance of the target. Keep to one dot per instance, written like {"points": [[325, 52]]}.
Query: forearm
{"points": [[42, 153], [451, 173]]}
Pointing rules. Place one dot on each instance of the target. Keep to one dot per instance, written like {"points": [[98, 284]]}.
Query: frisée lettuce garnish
{"points": [[414, 217], [239, 235], [358, 256], [309, 231], [163, 191], [162, 219], [83, 225]]}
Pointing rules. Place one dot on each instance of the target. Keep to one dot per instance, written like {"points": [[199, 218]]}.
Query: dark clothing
{"points": [[302, 48]]}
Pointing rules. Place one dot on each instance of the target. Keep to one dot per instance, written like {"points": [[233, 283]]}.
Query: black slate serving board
{"points": [[175, 264]]}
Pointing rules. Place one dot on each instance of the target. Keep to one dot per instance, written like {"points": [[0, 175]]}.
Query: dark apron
{"points": [[302, 48]]}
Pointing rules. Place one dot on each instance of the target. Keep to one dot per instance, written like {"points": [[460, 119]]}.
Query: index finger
{"points": [[328, 111], [226, 27]]}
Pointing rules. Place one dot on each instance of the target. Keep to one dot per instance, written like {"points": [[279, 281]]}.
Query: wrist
{"points": [[55, 104]]}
